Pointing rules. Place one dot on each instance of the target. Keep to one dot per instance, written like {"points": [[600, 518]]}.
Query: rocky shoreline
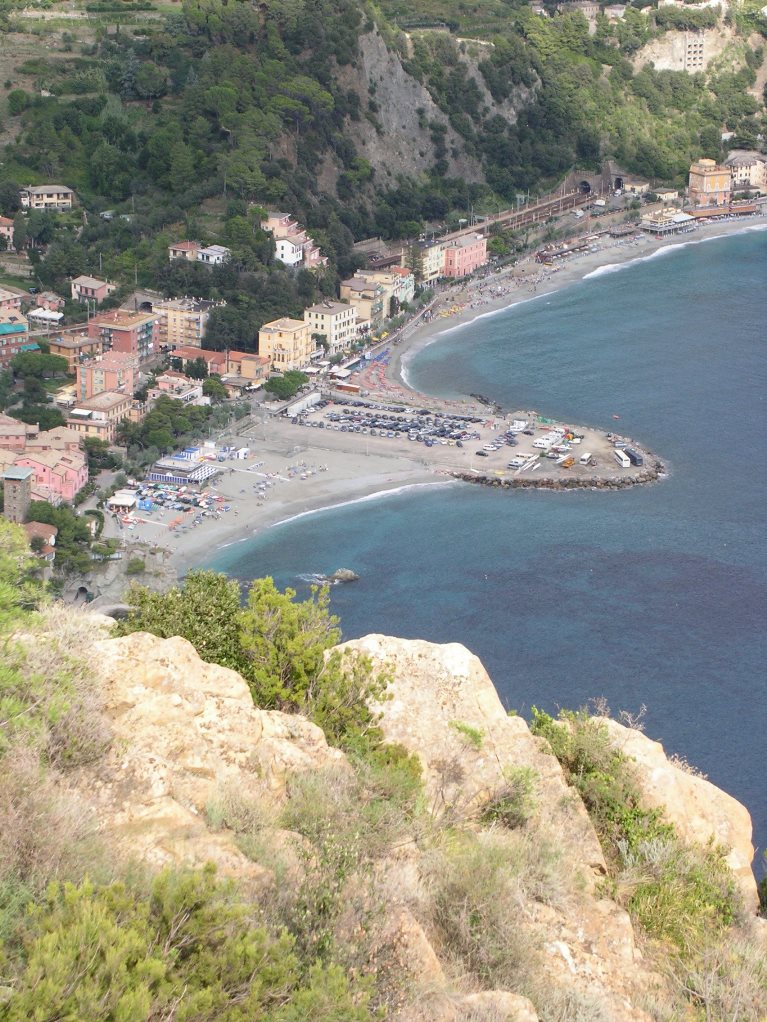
{"points": [[650, 474]]}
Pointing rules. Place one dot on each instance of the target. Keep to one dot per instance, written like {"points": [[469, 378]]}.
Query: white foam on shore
{"points": [[600, 271], [367, 497], [664, 250], [411, 352]]}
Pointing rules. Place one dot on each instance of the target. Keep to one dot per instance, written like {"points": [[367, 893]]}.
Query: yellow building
{"points": [[367, 297], [183, 321], [432, 261], [287, 343], [710, 184]]}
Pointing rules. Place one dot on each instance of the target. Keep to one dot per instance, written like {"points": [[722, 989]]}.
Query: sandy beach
{"points": [[293, 471]]}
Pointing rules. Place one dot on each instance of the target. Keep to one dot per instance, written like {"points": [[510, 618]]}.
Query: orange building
{"points": [[710, 184], [74, 346]]}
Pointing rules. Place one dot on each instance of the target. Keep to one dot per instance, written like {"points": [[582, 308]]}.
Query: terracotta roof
{"points": [[40, 529]]}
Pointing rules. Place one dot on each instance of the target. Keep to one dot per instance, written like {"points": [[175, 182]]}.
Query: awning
{"points": [[47, 315]]}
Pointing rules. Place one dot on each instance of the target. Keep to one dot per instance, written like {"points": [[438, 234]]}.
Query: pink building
{"points": [[50, 301], [465, 255], [115, 371], [91, 289], [63, 473], [57, 439], [11, 298], [14, 434]]}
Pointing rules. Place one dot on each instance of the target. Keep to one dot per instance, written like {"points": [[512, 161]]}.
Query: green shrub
{"points": [[188, 947], [280, 646], [682, 896], [474, 736], [135, 566], [515, 803]]}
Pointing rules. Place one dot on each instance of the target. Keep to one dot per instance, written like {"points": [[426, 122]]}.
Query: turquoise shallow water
{"points": [[653, 596]]}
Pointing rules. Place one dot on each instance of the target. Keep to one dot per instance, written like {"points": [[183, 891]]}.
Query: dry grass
{"points": [[60, 689]]}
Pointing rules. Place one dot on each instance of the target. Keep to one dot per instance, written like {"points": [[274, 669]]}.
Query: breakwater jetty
{"points": [[649, 474]]}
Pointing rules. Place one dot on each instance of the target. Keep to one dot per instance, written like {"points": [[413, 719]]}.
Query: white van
{"points": [[584, 459], [622, 459], [544, 442]]}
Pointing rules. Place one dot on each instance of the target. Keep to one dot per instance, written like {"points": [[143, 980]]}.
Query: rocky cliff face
{"points": [[396, 138], [699, 810], [183, 730]]}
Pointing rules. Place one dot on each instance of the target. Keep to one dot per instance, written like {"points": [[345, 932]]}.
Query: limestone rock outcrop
{"points": [[698, 809], [443, 706], [182, 730]]}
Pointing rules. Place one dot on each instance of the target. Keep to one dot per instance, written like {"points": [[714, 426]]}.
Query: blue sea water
{"points": [[655, 595]]}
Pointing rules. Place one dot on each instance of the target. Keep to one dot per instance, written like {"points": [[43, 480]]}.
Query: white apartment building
{"points": [[336, 321]]}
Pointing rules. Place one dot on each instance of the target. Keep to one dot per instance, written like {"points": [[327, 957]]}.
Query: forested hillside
{"points": [[190, 119]]}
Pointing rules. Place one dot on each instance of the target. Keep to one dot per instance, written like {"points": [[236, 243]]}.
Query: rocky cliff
{"points": [[184, 732]]}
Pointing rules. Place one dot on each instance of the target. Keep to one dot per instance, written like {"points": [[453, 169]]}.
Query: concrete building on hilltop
{"points": [[6, 231], [293, 246], [710, 184], [287, 343], [214, 255], [184, 250], [193, 251]]}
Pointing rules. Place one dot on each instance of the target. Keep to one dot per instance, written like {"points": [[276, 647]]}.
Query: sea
{"points": [[655, 597]]}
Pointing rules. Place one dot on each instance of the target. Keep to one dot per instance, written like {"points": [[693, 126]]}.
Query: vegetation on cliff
{"points": [[87, 934]]}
